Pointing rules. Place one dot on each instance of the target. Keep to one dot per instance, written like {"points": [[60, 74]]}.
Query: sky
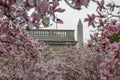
{"points": [[71, 17]]}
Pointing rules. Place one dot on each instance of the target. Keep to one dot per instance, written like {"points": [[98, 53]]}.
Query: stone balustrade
{"points": [[52, 35]]}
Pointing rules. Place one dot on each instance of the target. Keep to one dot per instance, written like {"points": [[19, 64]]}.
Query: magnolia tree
{"points": [[22, 58], [70, 64], [106, 37], [19, 54], [82, 63]]}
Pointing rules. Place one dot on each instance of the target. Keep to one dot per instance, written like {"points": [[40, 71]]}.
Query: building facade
{"points": [[58, 38]]}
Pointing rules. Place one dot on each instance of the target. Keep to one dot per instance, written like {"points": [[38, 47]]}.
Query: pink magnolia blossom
{"points": [[76, 4], [100, 5], [90, 19], [114, 21], [112, 6], [100, 15], [1, 3]]}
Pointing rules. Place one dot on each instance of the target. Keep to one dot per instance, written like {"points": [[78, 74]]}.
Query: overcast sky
{"points": [[71, 18]]}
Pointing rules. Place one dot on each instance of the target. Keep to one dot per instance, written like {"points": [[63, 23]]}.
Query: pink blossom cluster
{"points": [[20, 56], [70, 64], [76, 4], [18, 10], [111, 66], [106, 37]]}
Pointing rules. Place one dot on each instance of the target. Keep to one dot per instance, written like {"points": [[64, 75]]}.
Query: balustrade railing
{"points": [[52, 35]]}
